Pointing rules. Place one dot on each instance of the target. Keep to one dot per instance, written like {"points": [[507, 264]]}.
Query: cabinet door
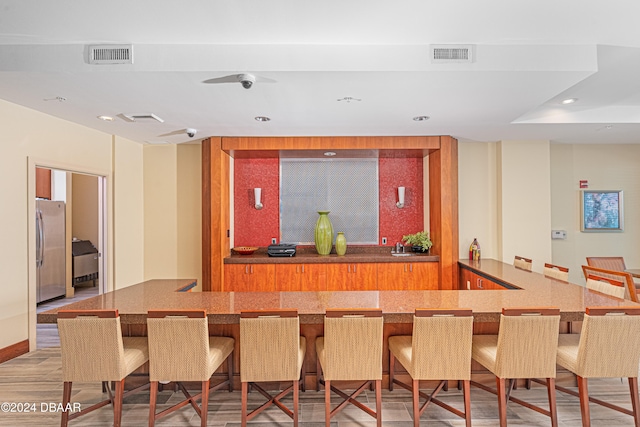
{"points": [[313, 277], [408, 276], [249, 277], [476, 282], [352, 277], [43, 183], [424, 275], [301, 277]]}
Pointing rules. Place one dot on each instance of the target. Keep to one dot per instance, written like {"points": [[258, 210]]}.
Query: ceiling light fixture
{"points": [[106, 118], [349, 99], [569, 101], [262, 118], [57, 98], [330, 153], [421, 118]]}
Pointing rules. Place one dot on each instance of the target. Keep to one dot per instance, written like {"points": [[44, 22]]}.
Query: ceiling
{"points": [[528, 57]]}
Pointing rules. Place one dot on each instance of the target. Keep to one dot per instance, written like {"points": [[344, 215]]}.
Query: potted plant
{"points": [[420, 241]]}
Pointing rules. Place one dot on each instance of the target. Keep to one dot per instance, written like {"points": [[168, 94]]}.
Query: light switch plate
{"points": [[273, 241], [384, 240]]}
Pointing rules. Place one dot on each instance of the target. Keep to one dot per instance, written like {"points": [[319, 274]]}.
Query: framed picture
{"points": [[601, 211]]}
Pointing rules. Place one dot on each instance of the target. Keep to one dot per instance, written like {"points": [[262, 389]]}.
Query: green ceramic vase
{"points": [[341, 244], [324, 233]]}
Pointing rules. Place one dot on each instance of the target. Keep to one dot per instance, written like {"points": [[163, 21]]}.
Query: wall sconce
{"points": [[400, 203], [257, 192]]}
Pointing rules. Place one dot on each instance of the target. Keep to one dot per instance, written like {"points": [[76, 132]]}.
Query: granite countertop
{"points": [[535, 290], [308, 255]]}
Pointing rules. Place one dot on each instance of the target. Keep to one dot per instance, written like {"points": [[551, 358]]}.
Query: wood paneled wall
{"points": [[442, 152]]}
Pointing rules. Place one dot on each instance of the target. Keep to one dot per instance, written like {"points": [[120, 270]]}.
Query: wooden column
{"points": [[215, 213], [443, 209]]}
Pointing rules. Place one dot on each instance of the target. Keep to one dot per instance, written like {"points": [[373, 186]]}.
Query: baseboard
{"points": [[14, 350]]}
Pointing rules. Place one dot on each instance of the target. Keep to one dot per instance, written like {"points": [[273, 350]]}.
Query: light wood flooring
{"points": [[35, 378]]}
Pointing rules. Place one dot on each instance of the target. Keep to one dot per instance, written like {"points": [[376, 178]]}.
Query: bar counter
{"points": [[223, 308]]}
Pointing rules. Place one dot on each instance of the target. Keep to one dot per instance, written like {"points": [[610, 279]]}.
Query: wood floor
{"points": [[35, 379]]}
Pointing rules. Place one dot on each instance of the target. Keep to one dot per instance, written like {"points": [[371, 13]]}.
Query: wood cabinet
{"points": [[301, 277], [408, 276], [43, 183], [474, 282], [249, 277], [352, 277]]}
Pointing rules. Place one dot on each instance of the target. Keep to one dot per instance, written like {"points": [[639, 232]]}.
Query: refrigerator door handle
{"points": [[40, 241]]}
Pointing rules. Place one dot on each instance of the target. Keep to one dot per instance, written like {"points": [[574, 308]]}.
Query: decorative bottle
{"points": [[323, 233], [341, 243], [477, 255], [473, 249]]}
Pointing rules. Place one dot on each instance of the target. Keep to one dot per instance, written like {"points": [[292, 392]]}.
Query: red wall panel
{"points": [[395, 222], [254, 227], [257, 227]]}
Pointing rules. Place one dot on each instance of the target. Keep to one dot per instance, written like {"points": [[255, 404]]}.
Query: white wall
{"points": [[504, 199], [172, 212], [606, 167], [128, 213]]}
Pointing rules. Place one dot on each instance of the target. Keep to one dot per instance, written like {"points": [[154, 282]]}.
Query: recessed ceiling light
{"points": [[569, 101], [262, 118], [330, 153], [421, 118], [106, 118]]}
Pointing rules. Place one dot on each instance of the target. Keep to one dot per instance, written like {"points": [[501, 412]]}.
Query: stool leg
{"points": [[245, 391], [466, 386], [296, 397], [502, 401], [153, 398], [415, 394], [327, 403], [117, 404], [392, 368], [230, 373], [378, 385], [583, 390], [551, 390], [204, 405], [66, 398], [633, 388]]}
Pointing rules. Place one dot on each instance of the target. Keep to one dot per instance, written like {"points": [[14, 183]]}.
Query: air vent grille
{"points": [[111, 54], [451, 53]]}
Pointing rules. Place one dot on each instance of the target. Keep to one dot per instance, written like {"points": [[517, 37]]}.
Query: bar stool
{"points": [[605, 285], [93, 349], [524, 348], [439, 349], [271, 349], [180, 349], [607, 347], [351, 350], [556, 272], [522, 263], [622, 276]]}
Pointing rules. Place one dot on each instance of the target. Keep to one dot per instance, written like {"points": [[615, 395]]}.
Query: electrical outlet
{"points": [[384, 240], [273, 240]]}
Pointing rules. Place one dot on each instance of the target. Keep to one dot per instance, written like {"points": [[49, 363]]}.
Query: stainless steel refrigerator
{"points": [[50, 249]]}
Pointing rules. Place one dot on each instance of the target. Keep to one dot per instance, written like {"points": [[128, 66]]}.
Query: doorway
{"points": [[84, 194]]}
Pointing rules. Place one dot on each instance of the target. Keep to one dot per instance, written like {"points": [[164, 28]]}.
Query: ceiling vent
{"points": [[451, 53], [138, 117], [111, 54]]}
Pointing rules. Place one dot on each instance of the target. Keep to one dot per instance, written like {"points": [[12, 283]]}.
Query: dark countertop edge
{"points": [[378, 258]]}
